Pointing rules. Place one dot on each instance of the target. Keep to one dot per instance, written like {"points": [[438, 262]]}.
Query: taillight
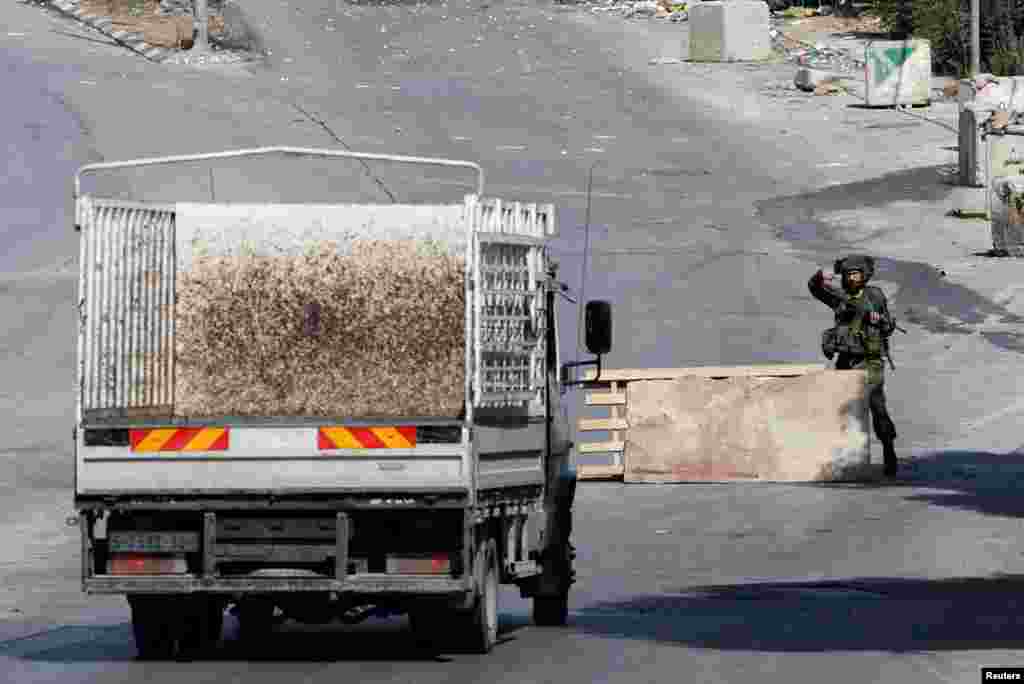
{"points": [[146, 564], [420, 564]]}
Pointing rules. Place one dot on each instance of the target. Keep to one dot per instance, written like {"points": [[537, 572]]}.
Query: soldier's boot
{"points": [[889, 454]]}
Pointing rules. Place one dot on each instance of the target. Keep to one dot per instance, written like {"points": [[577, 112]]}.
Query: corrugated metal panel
{"points": [[126, 308], [510, 268]]}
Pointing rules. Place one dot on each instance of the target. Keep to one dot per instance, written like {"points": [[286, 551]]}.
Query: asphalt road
{"points": [[675, 583]]}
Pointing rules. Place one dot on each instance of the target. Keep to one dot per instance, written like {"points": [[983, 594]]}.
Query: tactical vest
{"points": [[849, 335]]}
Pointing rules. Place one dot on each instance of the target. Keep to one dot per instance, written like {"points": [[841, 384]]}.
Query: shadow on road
{"points": [[920, 293], [920, 184], [894, 615], [979, 481], [880, 614], [972, 480], [386, 640]]}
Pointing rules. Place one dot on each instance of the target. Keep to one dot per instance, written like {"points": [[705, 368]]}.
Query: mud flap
{"points": [[557, 556]]}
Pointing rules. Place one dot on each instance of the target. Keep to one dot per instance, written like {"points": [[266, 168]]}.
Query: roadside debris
{"points": [[817, 82], [644, 9], [818, 56]]}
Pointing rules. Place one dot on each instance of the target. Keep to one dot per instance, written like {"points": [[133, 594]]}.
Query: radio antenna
{"points": [[583, 269]]}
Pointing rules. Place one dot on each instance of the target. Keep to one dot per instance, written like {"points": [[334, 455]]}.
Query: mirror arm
{"points": [[577, 364]]}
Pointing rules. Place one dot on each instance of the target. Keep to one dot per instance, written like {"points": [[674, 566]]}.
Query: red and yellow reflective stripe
{"points": [[367, 438], [179, 439]]}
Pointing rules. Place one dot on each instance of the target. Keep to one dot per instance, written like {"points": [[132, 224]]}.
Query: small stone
{"points": [[809, 79]]}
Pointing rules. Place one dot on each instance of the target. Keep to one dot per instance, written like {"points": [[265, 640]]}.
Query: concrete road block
{"points": [[730, 31], [813, 427]]}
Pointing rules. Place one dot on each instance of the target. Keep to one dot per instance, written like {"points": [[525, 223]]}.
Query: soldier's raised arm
{"points": [[822, 289]]}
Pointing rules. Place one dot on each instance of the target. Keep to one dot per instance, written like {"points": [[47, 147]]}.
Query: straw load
{"points": [[373, 330]]}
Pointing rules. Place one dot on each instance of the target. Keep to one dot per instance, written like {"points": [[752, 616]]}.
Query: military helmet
{"points": [[857, 262]]}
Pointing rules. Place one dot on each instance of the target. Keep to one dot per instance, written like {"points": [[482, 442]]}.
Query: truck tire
{"points": [[255, 620], [551, 611], [204, 624], [479, 628], [154, 627], [428, 626]]}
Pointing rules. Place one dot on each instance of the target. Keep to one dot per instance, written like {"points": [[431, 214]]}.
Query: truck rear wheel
{"points": [[428, 626], [255, 619], [154, 625], [551, 611], [480, 627], [203, 626]]}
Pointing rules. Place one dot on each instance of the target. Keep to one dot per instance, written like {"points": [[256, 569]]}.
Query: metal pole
{"points": [[203, 19], [975, 38]]}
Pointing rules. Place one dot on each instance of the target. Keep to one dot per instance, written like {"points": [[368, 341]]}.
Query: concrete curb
{"points": [[133, 41]]}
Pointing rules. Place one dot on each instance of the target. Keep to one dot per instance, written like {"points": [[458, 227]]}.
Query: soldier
{"points": [[860, 336]]}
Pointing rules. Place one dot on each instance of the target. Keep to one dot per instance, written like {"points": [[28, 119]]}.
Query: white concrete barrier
{"points": [[730, 31]]}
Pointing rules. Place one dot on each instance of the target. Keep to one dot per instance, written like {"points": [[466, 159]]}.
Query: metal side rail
{"points": [[366, 583]]}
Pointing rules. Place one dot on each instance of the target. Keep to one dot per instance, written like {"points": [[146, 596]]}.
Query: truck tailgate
{"points": [[244, 458]]}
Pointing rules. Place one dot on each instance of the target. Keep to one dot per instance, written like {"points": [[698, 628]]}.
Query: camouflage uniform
{"points": [[873, 335]]}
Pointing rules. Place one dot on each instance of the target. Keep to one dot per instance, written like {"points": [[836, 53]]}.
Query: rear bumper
{"points": [[361, 584]]}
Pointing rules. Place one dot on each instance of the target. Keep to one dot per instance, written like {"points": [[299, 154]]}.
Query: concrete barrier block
{"points": [[730, 31]]}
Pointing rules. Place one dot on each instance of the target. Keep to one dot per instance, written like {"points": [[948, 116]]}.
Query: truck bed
{"points": [[134, 433]]}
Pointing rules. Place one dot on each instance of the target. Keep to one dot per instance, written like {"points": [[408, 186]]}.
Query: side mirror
{"points": [[599, 327]]}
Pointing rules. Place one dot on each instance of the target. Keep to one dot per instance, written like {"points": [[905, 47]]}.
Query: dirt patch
{"points": [[143, 16], [804, 29]]}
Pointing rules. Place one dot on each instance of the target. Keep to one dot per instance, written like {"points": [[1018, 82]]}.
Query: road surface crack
{"points": [[366, 167]]}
